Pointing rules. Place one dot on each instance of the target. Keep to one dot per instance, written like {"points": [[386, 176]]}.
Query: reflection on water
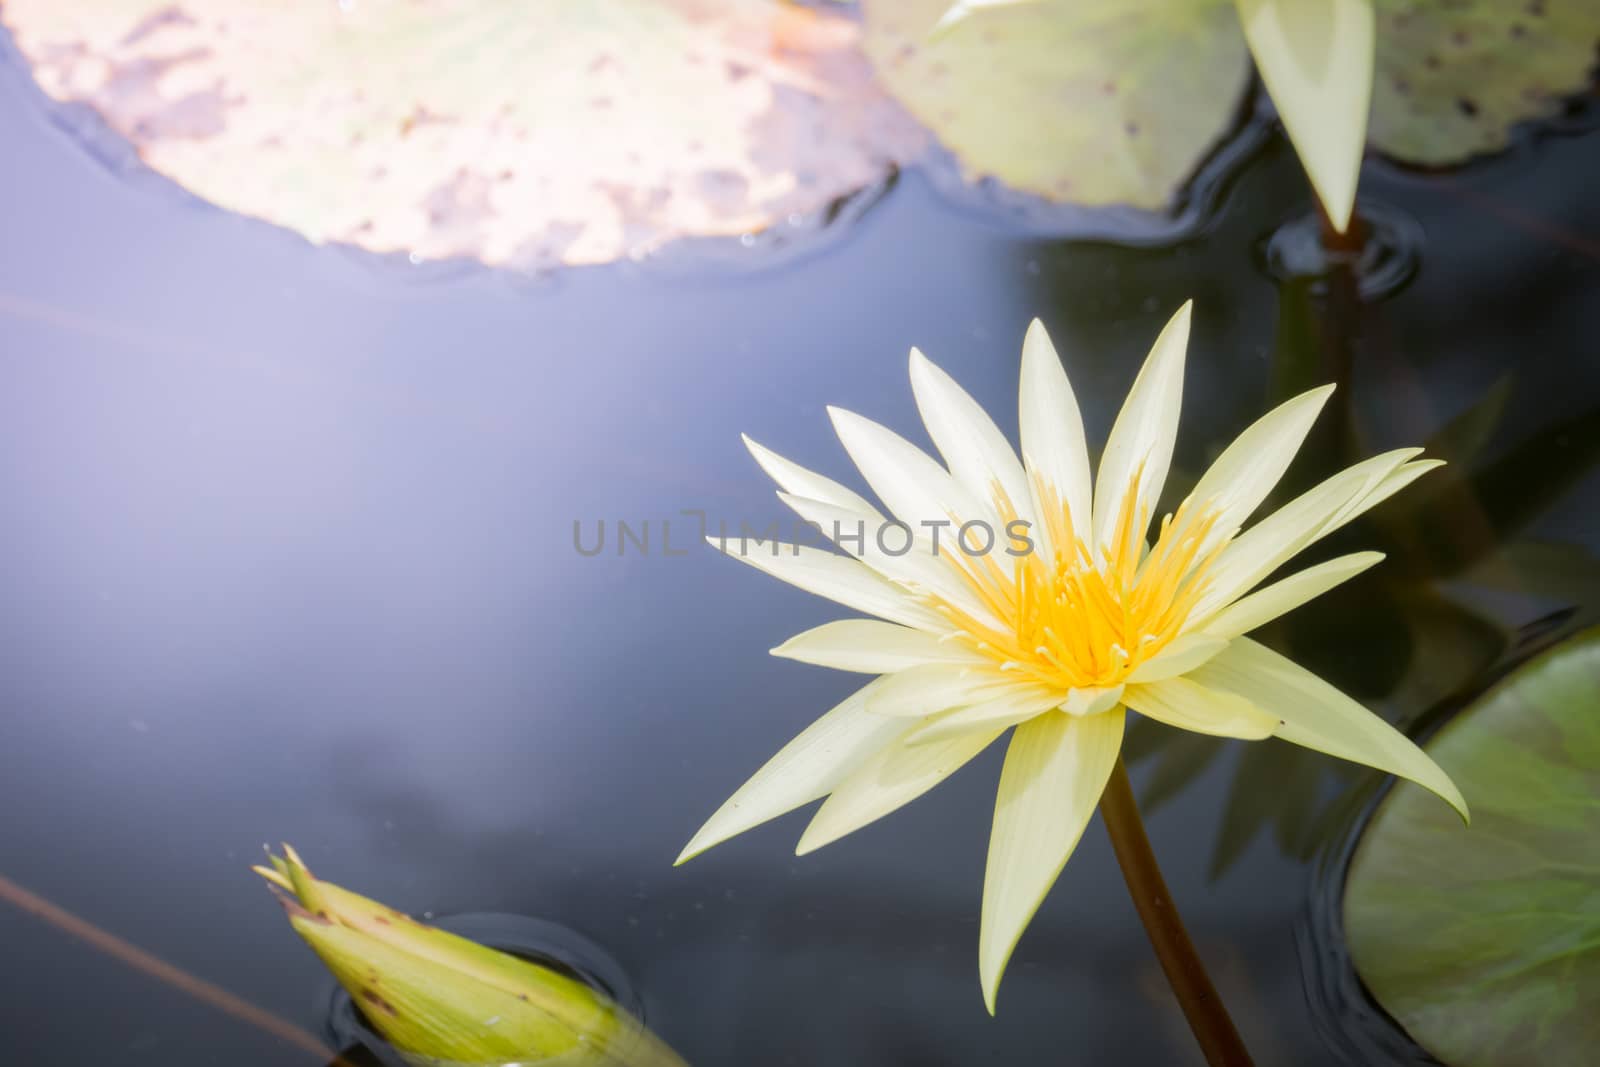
{"points": [[288, 556]]}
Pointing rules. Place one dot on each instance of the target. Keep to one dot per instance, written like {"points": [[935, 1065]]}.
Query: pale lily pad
{"points": [[1455, 76], [1107, 102], [1090, 101], [1484, 942], [566, 131]]}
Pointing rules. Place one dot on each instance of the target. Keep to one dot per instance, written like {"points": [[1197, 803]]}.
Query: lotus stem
{"points": [[1204, 1010]]}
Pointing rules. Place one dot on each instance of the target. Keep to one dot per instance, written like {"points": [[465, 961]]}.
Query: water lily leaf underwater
{"points": [[527, 134], [440, 998], [1484, 943], [1118, 101]]}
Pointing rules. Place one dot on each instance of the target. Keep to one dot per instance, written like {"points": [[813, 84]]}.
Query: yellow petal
{"points": [[1316, 58], [918, 692], [1267, 545], [807, 768], [1317, 715], [1283, 596], [890, 780], [871, 647], [1180, 657], [838, 578], [796, 479], [1056, 768], [910, 561], [1053, 444], [911, 483], [1240, 479], [996, 713], [1188, 705], [1091, 700], [1140, 445], [1397, 480], [977, 453]]}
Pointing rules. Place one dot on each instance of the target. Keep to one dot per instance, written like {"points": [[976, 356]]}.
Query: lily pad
{"points": [[1484, 942], [1455, 76], [531, 134], [1117, 101], [1090, 101]]}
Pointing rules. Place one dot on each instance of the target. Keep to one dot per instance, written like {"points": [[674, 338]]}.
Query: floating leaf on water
{"points": [[527, 134], [1088, 101], [1484, 943], [1454, 76]]}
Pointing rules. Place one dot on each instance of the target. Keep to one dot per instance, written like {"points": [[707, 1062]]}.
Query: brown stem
{"points": [[162, 971], [1345, 245], [1185, 973]]}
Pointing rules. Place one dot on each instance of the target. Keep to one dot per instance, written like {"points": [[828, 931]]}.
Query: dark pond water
{"points": [[288, 555]]}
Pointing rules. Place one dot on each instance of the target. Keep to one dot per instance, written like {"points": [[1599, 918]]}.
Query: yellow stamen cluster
{"points": [[1080, 618]]}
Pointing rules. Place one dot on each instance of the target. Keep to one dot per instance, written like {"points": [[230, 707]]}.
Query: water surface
{"points": [[288, 556]]}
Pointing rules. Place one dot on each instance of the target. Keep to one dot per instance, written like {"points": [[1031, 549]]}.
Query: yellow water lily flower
{"points": [[1068, 621]]}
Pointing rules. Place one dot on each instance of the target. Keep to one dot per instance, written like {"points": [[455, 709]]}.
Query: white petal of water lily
{"points": [[871, 647], [1316, 60], [1318, 716], [918, 692], [1091, 701], [838, 578], [1392, 484], [911, 484], [977, 453], [1268, 544], [1240, 479], [1142, 438], [919, 568], [1056, 768], [1283, 596], [807, 768], [796, 479], [891, 779], [1053, 445], [999, 712], [1188, 705], [1180, 657]]}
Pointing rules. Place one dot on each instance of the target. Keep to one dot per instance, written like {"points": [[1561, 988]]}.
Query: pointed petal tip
{"points": [[808, 843], [698, 845], [1339, 213]]}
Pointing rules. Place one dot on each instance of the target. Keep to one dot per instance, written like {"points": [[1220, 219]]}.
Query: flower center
{"points": [[1074, 617]]}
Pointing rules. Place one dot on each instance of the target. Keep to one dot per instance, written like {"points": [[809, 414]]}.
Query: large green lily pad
{"points": [[1454, 76], [1087, 101], [1117, 101], [1484, 942]]}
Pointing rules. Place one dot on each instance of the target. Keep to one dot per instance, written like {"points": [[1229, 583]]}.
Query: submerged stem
{"points": [[1185, 973]]}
